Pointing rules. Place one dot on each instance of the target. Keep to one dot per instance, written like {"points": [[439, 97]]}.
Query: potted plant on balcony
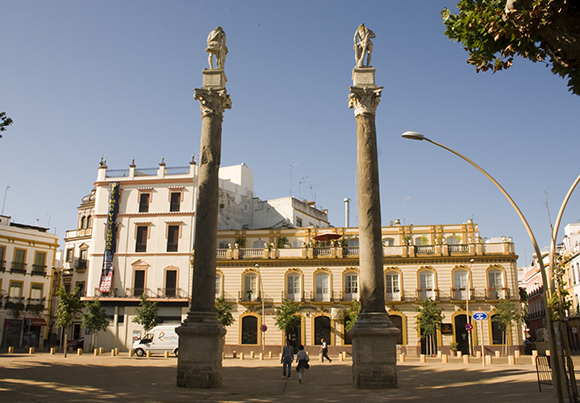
{"points": [[249, 294], [453, 348]]}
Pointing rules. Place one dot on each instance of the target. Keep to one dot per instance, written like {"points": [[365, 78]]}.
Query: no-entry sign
{"points": [[469, 327], [263, 328]]}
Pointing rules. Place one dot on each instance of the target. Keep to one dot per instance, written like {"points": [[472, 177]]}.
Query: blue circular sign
{"points": [[480, 316]]}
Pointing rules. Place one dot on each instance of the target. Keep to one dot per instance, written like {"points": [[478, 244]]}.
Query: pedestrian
{"points": [[287, 358], [32, 340], [324, 350], [302, 359]]}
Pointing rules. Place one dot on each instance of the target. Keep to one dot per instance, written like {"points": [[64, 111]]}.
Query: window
{"points": [[70, 254], [495, 284], [35, 294], [250, 287], [39, 266], [144, 198], [426, 285], [224, 245], [15, 292], [259, 244], [353, 242], [82, 263], [18, 265], [249, 330], [321, 330], [388, 242], [460, 285], [351, 287], [497, 332], [293, 287], [89, 222], [392, 286], [139, 283], [170, 283], [322, 287], [172, 238], [218, 285], [175, 201], [82, 223], [2, 262], [298, 222], [141, 243], [81, 286]]}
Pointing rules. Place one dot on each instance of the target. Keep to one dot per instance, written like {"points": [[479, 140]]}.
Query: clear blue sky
{"points": [[83, 79]]}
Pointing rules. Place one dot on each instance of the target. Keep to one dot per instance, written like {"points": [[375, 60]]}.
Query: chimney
{"points": [[347, 212]]}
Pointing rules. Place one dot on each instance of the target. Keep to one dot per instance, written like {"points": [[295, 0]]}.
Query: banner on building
{"points": [[107, 270]]}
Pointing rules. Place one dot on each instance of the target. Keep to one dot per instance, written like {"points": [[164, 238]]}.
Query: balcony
{"points": [[495, 294], [38, 270], [296, 296], [394, 296], [81, 265], [423, 294], [458, 248], [2, 266], [461, 294], [137, 292], [171, 293], [253, 297], [18, 268], [425, 249]]}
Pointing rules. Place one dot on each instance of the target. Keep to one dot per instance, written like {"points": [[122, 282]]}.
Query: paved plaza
{"points": [[51, 378]]}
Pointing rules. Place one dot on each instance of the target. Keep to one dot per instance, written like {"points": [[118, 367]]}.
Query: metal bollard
{"points": [[466, 359], [79, 351], [166, 355], [96, 352], [241, 356], [112, 352], [131, 353], [423, 358], [517, 354], [511, 360], [444, 359], [261, 356], [402, 357], [52, 351], [478, 354], [459, 354], [31, 350], [100, 350], [252, 354], [10, 350], [149, 354], [223, 356], [439, 354], [340, 357], [269, 354]]}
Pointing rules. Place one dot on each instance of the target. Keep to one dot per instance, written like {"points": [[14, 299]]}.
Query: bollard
{"points": [[459, 354], [31, 350], [52, 351], [320, 357], [402, 357], [166, 355], [466, 359], [148, 354], [444, 359], [423, 358], [497, 354], [344, 354], [340, 357], [478, 354], [79, 351], [269, 354], [116, 351], [488, 360], [261, 356], [439, 354], [96, 352], [517, 354], [100, 350], [252, 354], [223, 356], [112, 352], [241, 356], [511, 360], [10, 350], [131, 353], [547, 353], [280, 357]]}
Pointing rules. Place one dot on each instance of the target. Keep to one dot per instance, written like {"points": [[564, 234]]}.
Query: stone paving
{"points": [[52, 378]]}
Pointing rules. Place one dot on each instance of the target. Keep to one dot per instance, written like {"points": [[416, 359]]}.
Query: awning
{"points": [[36, 321], [327, 236]]}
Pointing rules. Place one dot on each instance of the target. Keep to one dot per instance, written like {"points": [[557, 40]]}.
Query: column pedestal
{"points": [[374, 352], [200, 351]]}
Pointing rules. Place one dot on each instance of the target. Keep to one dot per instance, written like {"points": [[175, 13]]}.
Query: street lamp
{"points": [[469, 348], [557, 367], [263, 310]]}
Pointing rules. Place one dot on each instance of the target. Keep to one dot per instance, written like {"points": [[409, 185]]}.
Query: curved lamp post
{"points": [[557, 367]]}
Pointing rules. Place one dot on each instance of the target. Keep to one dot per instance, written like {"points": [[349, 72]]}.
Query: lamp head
{"points": [[413, 136]]}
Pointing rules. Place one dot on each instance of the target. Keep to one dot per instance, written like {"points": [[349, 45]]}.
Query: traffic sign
{"points": [[469, 327], [263, 328], [480, 316]]}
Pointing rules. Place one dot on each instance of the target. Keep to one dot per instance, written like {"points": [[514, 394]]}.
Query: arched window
{"points": [[398, 322], [392, 286], [426, 284], [351, 286], [218, 285], [250, 287], [460, 284], [495, 284], [388, 242], [321, 330], [293, 289], [452, 240], [249, 330], [259, 244], [322, 281], [89, 222], [82, 223]]}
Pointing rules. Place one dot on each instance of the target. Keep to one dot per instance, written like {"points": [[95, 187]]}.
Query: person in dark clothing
{"points": [[302, 359], [324, 350]]}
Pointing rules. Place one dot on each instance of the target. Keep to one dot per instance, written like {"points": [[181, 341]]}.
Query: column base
{"points": [[199, 362], [374, 352]]}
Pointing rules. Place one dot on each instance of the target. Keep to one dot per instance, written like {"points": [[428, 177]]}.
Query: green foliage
{"points": [[35, 309], [352, 314], [563, 301], [68, 306], [146, 313], [95, 319], [540, 31], [506, 313], [453, 346], [429, 318], [241, 241], [15, 308], [282, 242], [288, 317], [424, 240], [224, 312], [5, 121]]}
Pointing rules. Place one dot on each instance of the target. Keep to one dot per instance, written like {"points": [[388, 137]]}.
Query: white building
{"points": [[27, 257]]}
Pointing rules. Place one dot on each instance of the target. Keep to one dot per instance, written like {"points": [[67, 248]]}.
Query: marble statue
{"points": [[363, 45], [216, 45]]}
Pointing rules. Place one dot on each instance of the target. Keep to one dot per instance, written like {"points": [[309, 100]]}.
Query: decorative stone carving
{"points": [[216, 46], [363, 45], [364, 100], [212, 102]]}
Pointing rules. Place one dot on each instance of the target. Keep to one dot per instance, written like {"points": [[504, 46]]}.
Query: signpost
{"points": [[481, 316]]}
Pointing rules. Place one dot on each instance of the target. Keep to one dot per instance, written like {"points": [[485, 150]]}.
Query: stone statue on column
{"points": [[216, 46], [363, 46]]}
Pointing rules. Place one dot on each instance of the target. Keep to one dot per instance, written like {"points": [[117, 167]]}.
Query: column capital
{"points": [[364, 100], [212, 102]]}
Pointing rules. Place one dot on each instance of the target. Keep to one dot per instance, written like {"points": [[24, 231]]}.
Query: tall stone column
{"points": [[373, 335], [199, 362]]}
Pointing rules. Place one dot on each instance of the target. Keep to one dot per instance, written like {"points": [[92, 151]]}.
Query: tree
{"points": [[5, 121], [352, 315], [506, 313], [428, 322], [95, 320], [68, 306], [224, 312], [494, 31], [146, 313], [288, 317]]}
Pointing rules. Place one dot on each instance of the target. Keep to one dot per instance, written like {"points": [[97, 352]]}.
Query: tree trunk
{"points": [[65, 341]]}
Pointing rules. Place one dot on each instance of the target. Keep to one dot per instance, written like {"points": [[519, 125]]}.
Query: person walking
{"points": [[324, 350], [287, 358], [302, 359]]}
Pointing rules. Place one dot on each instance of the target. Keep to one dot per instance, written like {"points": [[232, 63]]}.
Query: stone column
{"points": [[373, 335], [199, 363]]}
